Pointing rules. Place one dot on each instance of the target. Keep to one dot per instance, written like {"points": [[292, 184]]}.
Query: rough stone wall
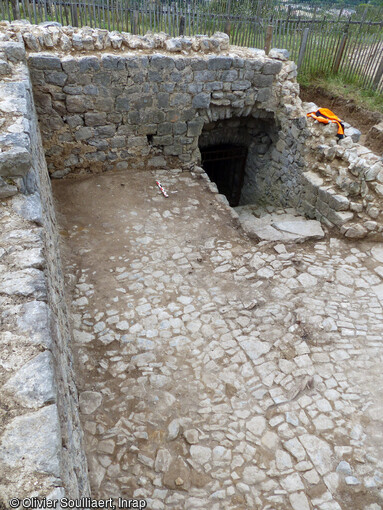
{"points": [[40, 436], [343, 182], [118, 111], [107, 112]]}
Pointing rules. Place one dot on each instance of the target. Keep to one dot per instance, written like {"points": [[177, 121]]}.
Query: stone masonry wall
{"points": [[104, 112], [40, 435], [343, 182], [116, 101], [102, 106]]}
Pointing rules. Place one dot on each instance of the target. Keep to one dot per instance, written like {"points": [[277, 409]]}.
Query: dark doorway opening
{"points": [[225, 165]]}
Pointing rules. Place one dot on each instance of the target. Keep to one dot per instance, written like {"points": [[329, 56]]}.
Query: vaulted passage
{"points": [[225, 165], [236, 153]]}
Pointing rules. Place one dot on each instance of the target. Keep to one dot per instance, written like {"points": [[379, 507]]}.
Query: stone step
{"points": [[285, 225]]}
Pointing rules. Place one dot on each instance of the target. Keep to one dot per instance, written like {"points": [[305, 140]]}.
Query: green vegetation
{"points": [[342, 86]]}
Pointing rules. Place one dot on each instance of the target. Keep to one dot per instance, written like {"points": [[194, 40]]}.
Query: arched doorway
{"points": [[236, 154]]}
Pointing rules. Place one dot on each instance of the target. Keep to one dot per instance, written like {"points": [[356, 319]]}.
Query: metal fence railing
{"points": [[320, 38]]}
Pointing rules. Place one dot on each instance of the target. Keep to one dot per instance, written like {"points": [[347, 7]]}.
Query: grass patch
{"points": [[348, 88]]}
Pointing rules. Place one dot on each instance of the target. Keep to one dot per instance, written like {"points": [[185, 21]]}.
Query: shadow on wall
{"points": [[236, 153]]}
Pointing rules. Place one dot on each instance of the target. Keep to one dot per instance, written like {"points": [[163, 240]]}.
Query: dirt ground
{"points": [[348, 111]]}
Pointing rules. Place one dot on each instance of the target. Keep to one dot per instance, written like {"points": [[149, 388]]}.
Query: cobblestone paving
{"points": [[214, 372]]}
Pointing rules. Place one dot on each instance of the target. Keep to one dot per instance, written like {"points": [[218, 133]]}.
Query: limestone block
{"points": [[77, 42], [33, 385], [78, 104], [262, 80], [105, 131], [15, 52], [31, 42], [15, 162], [224, 39], [5, 68], [116, 40], [123, 104], [95, 119], [338, 202], [160, 62], [65, 42], [356, 231], [27, 282], [7, 190], [87, 64], [241, 85], [219, 63], [34, 320], [263, 95], [230, 75], [371, 225], [279, 54], [174, 44], [353, 133], [88, 42], [339, 218], [45, 62], [272, 67], [346, 142], [32, 442], [109, 61], [205, 76], [74, 120], [201, 100], [215, 85], [29, 207], [163, 140], [173, 150], [186, 43], [180, 99], [56, 78], [84, 133], [371, 173], [166, 128]]}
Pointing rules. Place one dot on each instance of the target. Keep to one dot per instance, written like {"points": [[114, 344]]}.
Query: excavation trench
{"points": [[213, 371], [190, 341]]}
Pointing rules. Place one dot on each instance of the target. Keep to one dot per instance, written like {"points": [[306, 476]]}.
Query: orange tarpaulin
{"points": [[326, 116]]}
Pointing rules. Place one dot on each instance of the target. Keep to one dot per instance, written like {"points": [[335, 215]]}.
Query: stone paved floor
{"points": [[214, 372]]}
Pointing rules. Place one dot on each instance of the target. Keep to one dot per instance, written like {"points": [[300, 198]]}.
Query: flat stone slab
{"points": [[377, 252], [280, 225], [305, 228]]}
